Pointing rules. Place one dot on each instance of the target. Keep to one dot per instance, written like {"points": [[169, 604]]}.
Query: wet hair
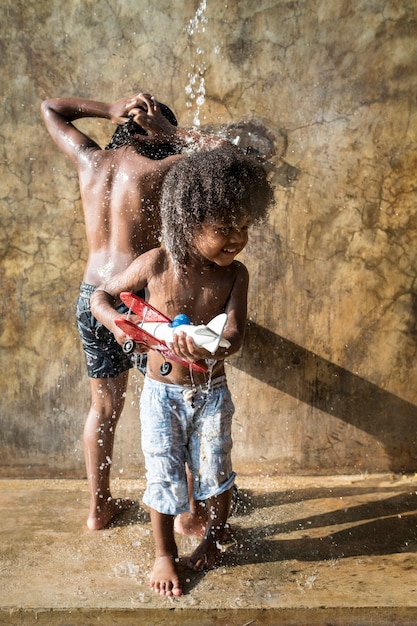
{"points": [[220, 186], [125, 133]]}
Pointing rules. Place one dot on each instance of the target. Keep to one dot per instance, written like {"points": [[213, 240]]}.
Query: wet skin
{"points": [[211, 264], [120, 191]]}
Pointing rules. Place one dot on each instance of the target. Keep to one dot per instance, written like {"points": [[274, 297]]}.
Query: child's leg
{"points": [[208, 554], [194, 522], [164, 577], [107, 399]]}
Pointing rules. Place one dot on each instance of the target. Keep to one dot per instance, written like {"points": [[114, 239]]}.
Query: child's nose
{"points": [[237, 235]]}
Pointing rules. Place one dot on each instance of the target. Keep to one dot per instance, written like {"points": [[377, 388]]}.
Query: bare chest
{"points": [[199, 297]]}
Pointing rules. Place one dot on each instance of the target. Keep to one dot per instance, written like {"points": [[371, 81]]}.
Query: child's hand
{"points": [[183, 346], [149, 116], [146, 112], [141, 348], [121, 109], [121, 336]]}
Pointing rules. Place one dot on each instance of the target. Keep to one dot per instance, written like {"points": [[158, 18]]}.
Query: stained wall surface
{"points": [[326, 380]]}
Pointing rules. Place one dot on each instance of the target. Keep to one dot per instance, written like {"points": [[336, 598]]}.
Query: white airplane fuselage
{"points": [[208, 336]]}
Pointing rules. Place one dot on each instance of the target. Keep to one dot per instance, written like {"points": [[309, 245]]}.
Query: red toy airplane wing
{"points": [[141, 308], [142, 336]]}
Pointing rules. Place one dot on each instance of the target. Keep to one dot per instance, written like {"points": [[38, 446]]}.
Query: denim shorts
{"points": [[103, 355], [182, 425]]}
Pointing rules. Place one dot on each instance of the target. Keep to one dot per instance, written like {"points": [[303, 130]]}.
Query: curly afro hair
{"points": [[220, 186]]}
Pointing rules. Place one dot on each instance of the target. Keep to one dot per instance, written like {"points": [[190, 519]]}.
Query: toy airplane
{"points": [[156, 331]]}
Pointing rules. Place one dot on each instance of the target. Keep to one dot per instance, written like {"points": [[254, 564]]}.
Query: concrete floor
{"points": [[335, 550]]}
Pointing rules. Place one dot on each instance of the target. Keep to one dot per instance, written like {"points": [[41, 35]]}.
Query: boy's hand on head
{"points": [[148, 114], [121, 109]]}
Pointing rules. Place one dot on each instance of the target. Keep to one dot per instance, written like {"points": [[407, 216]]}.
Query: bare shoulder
{"points": [[240, 270], [127, 157], [154, 267], [156, 255], [123, 160], [155, 259]]}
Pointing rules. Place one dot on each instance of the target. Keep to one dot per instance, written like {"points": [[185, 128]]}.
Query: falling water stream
{"points": [[196, 89], [250, 135]]}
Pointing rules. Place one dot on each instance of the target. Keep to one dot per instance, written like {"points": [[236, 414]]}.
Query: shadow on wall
{"points": [[323, 385]]}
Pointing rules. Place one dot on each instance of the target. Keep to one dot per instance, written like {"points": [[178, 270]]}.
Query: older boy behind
{"points": [[120, 190]]}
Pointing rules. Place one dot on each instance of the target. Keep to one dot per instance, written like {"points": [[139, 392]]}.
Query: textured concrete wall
{"points": [[326, 381]]}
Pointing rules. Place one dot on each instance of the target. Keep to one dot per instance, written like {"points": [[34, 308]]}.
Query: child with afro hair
{"points": [[209, 201]]}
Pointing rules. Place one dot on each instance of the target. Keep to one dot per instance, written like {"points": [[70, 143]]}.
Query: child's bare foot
{"points": [[190, 524], [164, 577], [102, 516], [207, 555], [227, 537]]}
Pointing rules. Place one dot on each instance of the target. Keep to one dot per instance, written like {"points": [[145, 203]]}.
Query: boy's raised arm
{"points": [[59, 113]]}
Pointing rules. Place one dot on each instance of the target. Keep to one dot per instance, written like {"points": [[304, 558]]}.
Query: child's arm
{"points": [[58, 113], [106, 297], [237, 309]]}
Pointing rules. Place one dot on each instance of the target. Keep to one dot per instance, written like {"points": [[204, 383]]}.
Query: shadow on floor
{"points": [[391, 529], [246, 500]]}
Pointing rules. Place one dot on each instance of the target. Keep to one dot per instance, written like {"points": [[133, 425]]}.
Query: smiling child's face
{"points": [[221, 243]]}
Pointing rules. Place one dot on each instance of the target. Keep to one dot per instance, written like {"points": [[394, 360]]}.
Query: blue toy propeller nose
{"points": [[179, 320]]}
